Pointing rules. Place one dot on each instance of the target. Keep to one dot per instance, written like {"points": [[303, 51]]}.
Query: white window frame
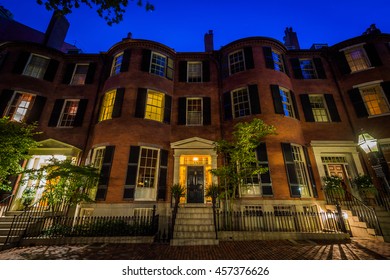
{"points": [[160, 107], [192, 76], [301, 170], [154, 66], [279, 62], [313, 71], [116, 66], [381, 98], [287, 104], [236, 64], [351, 62], [25, 110], [41, 73], [77, 82], [105, 110], [188, 100], [61, 118], [246, 102], [318, 109]]}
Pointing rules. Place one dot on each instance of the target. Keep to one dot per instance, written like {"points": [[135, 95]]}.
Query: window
{"points": [[241, 103], [154, 106], [158, 64], [308, 69], [68, 113], [20, 105], [236, 62], [116, 64], [374, 100], [278, 61], [300, 168], [80, 74], [357, 59], [147, 168], [194, 74], [194, 111], [319, 108], [287, 104], [36, 66], [97, 157], [107, 106]]}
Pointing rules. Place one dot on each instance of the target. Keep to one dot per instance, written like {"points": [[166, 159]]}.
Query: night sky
{"points": [[181, 25]]}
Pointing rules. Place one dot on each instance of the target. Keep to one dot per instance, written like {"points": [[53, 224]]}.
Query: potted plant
{"points": [[365, 187], [213, 191], [333, 186], [28, 196], [177, 192]]}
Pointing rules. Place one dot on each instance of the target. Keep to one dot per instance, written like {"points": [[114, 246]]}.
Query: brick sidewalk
{"points": [[357, 249]]}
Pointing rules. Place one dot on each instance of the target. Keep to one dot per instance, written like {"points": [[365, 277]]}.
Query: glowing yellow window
{"points": [[375, 100], [107, 105], [154, 106]]}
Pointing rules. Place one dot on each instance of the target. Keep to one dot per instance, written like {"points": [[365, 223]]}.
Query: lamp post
{"points": [[370, 146]]}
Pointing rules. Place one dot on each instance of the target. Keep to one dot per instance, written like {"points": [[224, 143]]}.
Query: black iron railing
{"points": [[358, 208], [5, 204], [324, 222], [382, 198]]}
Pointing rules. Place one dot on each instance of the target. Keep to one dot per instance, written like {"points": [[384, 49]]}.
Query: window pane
{"points": [[68, 113], [116, 64], [307, 68], [357, 59], [194, 111], [286, 102], [374, 100], [147, 168], [36, 66], [241, 104], [80, 74], [21, 103], [158, 64], [107, 105], [319, 108], [300, 168], [278, 61], [194, 72], [236, 62], [154, 106]]}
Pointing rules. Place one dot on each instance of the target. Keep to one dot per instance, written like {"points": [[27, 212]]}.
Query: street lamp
{"points": [[370, 146]]}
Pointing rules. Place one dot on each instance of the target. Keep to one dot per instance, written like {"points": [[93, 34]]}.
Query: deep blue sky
{"points": [[182, 24]]}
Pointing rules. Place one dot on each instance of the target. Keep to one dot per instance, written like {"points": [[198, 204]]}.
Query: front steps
{"points": [[194, 226], [384, 222]]}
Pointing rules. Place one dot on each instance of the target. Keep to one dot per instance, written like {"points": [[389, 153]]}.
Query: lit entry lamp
{"points": [[370, 146]]}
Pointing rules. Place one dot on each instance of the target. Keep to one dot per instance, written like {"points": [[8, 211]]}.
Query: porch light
{"points": [[195, 159], [367, 143]]}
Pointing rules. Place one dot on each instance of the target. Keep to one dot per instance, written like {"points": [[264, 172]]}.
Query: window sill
{"points": [[358, 71], [378, 116]]}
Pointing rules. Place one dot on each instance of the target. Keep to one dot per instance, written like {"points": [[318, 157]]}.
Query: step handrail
{"points": [[5, 204]]}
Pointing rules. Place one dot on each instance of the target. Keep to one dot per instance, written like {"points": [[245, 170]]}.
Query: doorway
{"points": [[195, 184]]}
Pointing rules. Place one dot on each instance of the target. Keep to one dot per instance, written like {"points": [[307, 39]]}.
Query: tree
{"points": [[64, 184], [239, 155], [110, 10], [16, 139]]}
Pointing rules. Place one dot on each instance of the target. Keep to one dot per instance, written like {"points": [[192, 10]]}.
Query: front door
{"points": [[339, 170], [195, 184]]}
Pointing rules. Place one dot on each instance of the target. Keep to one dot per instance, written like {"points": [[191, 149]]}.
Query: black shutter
{"points": [[105, 173], [169, 70], [205, 71], [290, 169], [21, 62], [131, 175], [162, 178], [265, 178], [3, 57], [56, 112], [334, 113], [117, 109], [285, 65], [343, 63], [319, 68], [99, 108], [294, 102], [225, 66], [182, 111], [310, 171], [249, 63], [254, 99], [183, 71], [296, 66], [269, 60], [227, 106], [141, 103], [78, 120], [125, 60], [69, 69], [306, 106], [51, 70], [90, 73], [278, 105], [146, 56], [373, 55], [358, 103], [36, 109], [206, 110], [167, 109], [386, 89], [5, 97]]}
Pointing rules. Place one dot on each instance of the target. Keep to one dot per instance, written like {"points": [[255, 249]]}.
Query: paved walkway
{"points": [[357, 249]]}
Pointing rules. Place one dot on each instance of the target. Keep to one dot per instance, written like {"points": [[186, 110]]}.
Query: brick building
{"points": [[148, 116]]}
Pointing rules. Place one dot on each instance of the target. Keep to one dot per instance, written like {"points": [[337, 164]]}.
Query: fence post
{"points": [[340, 218]]}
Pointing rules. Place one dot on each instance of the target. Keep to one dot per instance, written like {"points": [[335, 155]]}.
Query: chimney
{"points": [[56, 31], [209, 41], [291, 39]]}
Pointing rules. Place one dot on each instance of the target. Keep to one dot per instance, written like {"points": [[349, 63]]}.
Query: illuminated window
{"points": [[194, 111], [36, 66], [241, 103], [107, 105], [147, 168], [194, 74], [68, 113], [357, 59], [236, 62], [308, 69], [154, 106], [79, 75], [318, 106], [285, 97], [374, 100], [116, 64], [20, 105], [278, 61], [300, 168]]}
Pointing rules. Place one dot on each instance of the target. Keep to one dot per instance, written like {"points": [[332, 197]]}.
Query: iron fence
{"points": [[5, 204], [309, 222]]}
